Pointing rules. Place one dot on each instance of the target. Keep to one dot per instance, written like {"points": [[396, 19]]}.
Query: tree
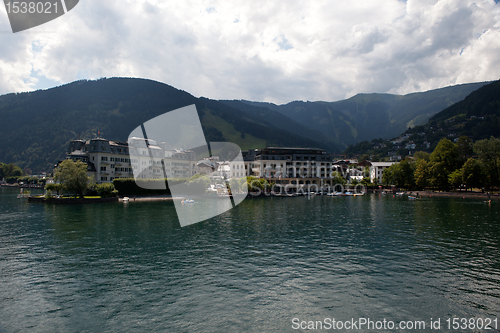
{"points": [[400, 174], [257, 184], [73, 177], [464, 147], [366, 181], [406, 177], [364, 157], [422, 173], [10, 170], [455, 178], [422, 155], [446, 152], [33, 180], [388, 176], [489, 154], [105, 189], [443, 161], [471, 174], [439, 176], [235, 185], [53, 187], [337, 178]]}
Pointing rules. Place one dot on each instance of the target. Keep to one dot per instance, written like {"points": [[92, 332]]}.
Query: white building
{"points": [[107, 160], [377, 170]]}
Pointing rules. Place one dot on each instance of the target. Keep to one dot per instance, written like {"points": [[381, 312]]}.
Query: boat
{"points": [[126, 199], [412, 197], [187, 201]]}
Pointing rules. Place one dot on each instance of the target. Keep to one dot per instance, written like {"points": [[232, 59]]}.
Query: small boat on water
{"points": [[126, 199], [187, 201], [412, 197]]}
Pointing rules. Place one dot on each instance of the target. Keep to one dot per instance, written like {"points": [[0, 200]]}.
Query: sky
{"points": [[261, 50]]}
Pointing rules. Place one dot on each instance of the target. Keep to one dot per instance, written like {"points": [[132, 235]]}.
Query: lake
{"points": [[268, 265]]}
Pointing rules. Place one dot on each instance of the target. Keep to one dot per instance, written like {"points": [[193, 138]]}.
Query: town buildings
{"points": [[295, 168], [147, 159]]}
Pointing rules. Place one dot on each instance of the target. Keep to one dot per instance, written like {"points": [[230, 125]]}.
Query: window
{"points": [[104, 159], [104, 178], [103, 168]]}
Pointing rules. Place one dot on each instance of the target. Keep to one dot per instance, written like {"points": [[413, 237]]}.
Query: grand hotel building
{"points": [[294, 167], [107, 159]]}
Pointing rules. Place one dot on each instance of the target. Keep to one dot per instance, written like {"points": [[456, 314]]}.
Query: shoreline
{"points": [[464, 195], [150, 198]]}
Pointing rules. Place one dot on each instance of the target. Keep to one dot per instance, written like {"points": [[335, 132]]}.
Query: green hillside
{"points": [[477, 117], [368, 116], [37, 126]]}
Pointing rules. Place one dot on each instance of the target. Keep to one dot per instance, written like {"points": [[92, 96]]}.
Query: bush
{"points": [[105, 190]]}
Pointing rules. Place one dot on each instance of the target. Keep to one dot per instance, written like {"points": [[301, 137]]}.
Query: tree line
{"points": [[464, 165], [10, 172]]}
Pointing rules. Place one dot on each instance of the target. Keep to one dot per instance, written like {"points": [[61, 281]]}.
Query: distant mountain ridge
{"points": [[477, 117], [368, 116], [37, 126]]}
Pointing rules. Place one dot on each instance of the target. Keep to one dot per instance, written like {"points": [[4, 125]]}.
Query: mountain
{"points": [[37, 126], [368, 116], [477, 116]]}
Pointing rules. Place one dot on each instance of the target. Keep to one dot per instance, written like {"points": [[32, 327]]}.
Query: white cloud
{"points": [[262, 50]]}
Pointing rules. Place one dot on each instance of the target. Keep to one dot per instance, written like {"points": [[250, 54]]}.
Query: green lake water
{"points": [[131, 267]]}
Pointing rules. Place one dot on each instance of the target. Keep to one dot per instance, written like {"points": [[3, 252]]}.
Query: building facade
{"points": [[377, 170], [295, 168], [107, 160]]}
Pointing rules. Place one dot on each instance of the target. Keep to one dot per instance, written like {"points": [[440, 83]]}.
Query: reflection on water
{"points": [[255, 268]]}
